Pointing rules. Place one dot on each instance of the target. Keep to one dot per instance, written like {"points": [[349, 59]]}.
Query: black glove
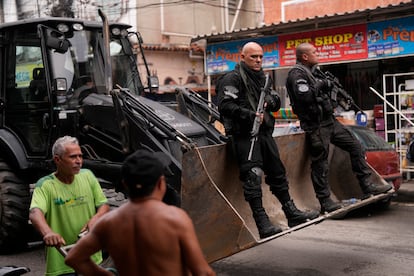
{"points": [[273, 102]]}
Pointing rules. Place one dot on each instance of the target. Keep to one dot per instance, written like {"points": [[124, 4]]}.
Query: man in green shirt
{"points": [[65, 203]]}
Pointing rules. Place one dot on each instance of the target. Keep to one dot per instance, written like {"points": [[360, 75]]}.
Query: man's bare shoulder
{"points": [[170, 214], [171, 211]]}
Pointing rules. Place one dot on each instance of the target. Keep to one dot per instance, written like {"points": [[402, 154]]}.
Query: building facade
{"points": [[168, 26]]}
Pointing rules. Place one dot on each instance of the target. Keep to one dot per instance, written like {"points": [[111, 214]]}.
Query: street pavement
{"points": [[34, 258], [406, 192]]}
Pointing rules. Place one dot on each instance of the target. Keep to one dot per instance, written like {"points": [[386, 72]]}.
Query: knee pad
{"points": [[255, 175], [252, 185]]}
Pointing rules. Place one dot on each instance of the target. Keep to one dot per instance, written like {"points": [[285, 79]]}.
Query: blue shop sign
{"points": [[223, 57], [391, 38]]}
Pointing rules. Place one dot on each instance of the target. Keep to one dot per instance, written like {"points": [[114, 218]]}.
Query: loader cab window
{"points": [[124, 72], [81, 66], [30, 79], [27, 98]]}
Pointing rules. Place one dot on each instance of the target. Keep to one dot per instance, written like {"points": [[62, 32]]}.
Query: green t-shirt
{"points": [[67, 208]]}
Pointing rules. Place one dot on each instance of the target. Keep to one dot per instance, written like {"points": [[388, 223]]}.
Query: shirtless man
{"points": [[144, 236]]}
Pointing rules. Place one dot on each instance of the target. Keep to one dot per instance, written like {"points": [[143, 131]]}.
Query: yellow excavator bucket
{"points": [[213, 197]]}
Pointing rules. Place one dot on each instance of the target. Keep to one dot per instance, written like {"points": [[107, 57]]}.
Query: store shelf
{"points": [[405, 130], [404, 111], [398, 130], [398, 93]]}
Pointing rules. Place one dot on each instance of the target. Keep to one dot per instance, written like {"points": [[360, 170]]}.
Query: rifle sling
{"points": [[250, 93]]}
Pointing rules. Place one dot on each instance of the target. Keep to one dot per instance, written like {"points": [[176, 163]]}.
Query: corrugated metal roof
{"points": [[402, 9]]}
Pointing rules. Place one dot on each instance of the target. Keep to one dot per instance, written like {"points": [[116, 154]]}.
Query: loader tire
{"points": [[14, 210]]}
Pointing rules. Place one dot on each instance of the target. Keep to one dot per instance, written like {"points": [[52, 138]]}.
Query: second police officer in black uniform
{"points": [[311, 100]]}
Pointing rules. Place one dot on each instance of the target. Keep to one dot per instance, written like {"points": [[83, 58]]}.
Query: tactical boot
{"points": [[265, 227], [373, 189], [328, 205], [296, 216]]}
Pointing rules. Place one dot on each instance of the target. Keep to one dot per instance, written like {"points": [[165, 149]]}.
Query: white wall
{"points": [[175, 65]]}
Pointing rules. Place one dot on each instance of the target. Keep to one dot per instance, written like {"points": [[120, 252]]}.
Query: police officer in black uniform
{"points": [[239, 92], [311, 100]]}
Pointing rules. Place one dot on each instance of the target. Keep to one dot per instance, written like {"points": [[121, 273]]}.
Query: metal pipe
{"points": [[223, 28], [226, 15], [162, 15], [236, 16]]}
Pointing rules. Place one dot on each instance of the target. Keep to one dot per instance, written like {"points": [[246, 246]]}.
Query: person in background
{"points": [[239, 92], [311, 100], [144, 236], [66, 203]]}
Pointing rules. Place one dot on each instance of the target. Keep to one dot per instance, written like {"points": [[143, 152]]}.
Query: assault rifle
{"points": [[338, 93], [257, 120]]}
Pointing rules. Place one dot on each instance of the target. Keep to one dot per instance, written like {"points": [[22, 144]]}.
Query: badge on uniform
{"points": [[303, 86]]}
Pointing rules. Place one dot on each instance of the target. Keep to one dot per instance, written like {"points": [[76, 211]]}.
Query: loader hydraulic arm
{"points": [[202, 111], [132, 106]]}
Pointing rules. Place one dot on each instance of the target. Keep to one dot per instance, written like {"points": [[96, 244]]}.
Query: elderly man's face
{"points": [[71, 161]]}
